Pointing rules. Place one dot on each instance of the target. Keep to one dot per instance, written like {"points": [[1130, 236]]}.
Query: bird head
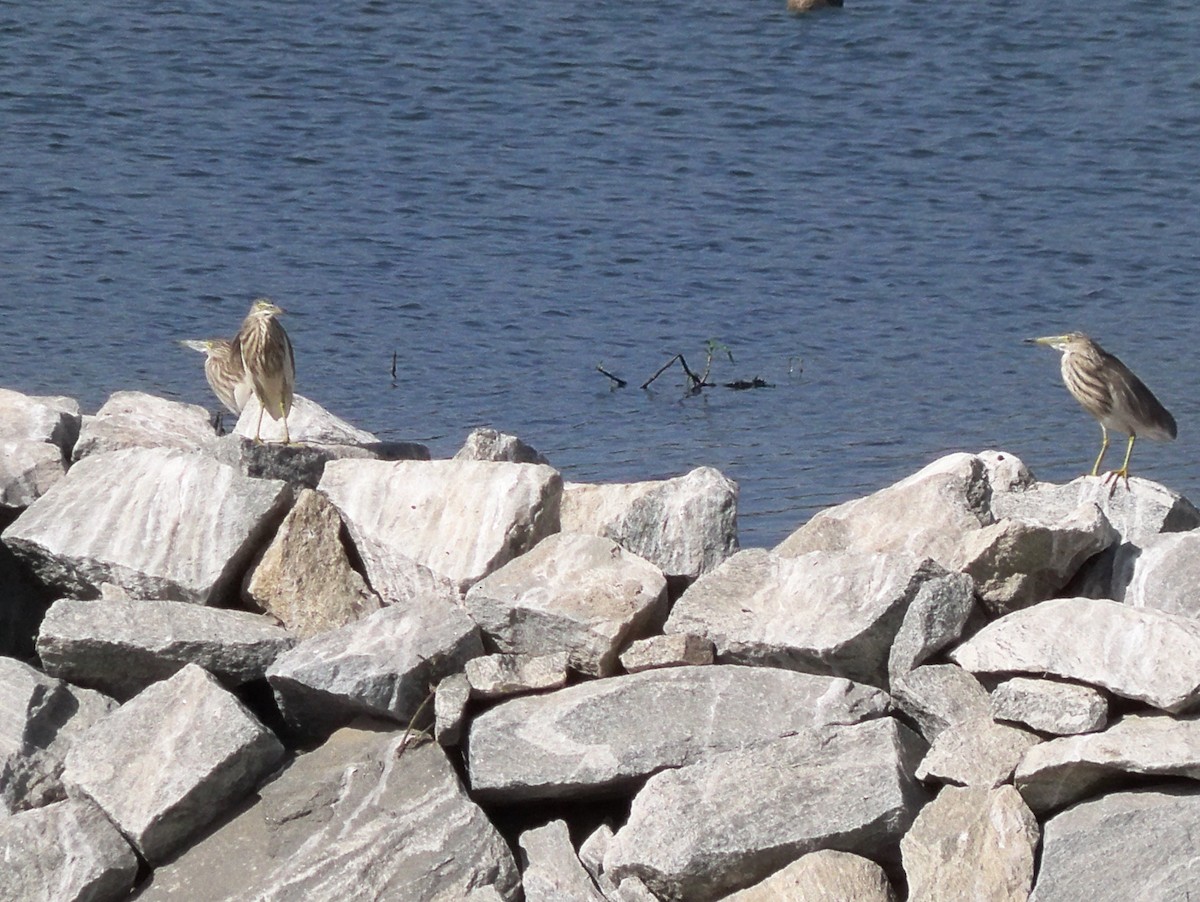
{"points": [[1071, 341], [266, 307]]}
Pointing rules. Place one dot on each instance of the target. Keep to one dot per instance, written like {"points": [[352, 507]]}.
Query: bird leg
{"points": [[287, 438], [1123, 473], [1103, 451], [258, 428]]}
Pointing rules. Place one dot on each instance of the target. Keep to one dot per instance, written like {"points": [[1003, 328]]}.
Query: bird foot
{"points": [[1112, 477]]}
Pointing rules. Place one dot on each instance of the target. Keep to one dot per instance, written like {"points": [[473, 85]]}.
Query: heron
{"points": [[224, 371], [1109, 391], [269, 362]]}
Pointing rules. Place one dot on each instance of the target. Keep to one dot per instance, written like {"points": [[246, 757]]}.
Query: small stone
{"points": [[450, 708], [496, 676], [553, 872], [937, 696], [975, 843], [977, 752], [1049, 706], [36, 438], [825, 876], [488, 444], [676, 650]]}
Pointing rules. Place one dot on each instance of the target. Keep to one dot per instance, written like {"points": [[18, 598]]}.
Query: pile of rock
{"points": [[342, 670]]}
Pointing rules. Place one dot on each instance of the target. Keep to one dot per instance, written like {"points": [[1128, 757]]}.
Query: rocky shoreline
{"points": [[341, 670]]}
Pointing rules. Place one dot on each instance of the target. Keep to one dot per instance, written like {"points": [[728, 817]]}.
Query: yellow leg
{"points": [[1122, 473], [287, 438], [1103, 451], [258, 428]]}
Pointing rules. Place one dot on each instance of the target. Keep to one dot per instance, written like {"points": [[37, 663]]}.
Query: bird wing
{"points": [[1140, 412]]}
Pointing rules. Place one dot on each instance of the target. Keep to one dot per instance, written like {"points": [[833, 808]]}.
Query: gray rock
{"points": [[632, 889], [593, 849], [823, 612], [973, 844], [301, 464], [1138, 513], [685, 526], [1018, 562], [1128, 845], [1143, 510], [65, 852], [450, 708], [1049, 706], [977, 752], [937, 696], [308, 423], [578, 593], [497, 676], [928, 514], [164, 765], [1005, 472], [304, 578], [824, 876], [934, 619], [488, 444], [700, 831], [40, 718], [397, 579], [383, 665], [1140, 654], [121, 647], [676, 650], [605, 735], [361, 818], [134, 419], [1062, 771], [109, 520], [36, 438], [463, 519], [1164, 575], [552, 871]]}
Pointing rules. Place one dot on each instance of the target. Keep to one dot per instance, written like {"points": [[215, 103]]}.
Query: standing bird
{"points": [[269, 363], [224, 371], [1110, 392]]}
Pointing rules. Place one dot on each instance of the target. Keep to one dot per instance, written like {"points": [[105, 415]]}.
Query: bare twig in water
{"points": [[697, 382], [393, 369], [620, 383]]}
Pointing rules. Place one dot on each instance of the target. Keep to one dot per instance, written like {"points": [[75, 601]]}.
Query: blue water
{"points": [[869, 207]]}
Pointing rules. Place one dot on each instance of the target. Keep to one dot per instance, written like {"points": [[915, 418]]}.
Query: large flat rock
{"points": [[65, 852], [1165, 576], [111, 520], [1140, 654], [928, 515], [1062, 771], [685, 526], [579, 593], [134, 419], [166, 763], [603, 736], [1123, 846], [121, 646], [700, 831], [308, 423], [823, 612], [359, 819], [463, 519], [383, 665]]}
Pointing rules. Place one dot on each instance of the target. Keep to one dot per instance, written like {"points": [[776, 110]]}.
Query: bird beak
{"points": [[194, 345], [1048, 340]]}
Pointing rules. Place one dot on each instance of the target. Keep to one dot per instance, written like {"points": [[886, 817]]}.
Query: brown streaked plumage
{"points": [[269, 362], [1110, 392], [224, 371]]}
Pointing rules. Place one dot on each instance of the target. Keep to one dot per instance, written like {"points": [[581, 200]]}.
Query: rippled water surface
{"points": [[868, 207]]}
